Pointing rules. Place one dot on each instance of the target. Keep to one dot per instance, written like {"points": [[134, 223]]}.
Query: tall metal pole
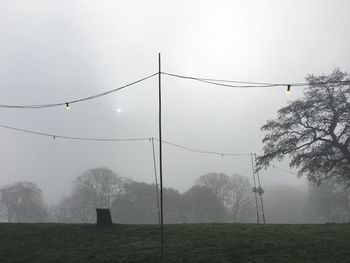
{"points": [[260, 193], [160, 161], [256, 198]]}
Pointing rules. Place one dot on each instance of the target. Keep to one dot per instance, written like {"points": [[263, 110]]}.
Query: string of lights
{"points": [[224, 83], [217, 82], [68, 103]]}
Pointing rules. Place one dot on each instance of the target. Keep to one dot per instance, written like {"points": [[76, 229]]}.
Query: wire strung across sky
{"points": [[57, 136], [67, 103], [202, 151], [218, 82], [222, 82]]}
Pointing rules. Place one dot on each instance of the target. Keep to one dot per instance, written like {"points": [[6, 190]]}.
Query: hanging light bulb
{"points": [[67, 106], [288, 89]]}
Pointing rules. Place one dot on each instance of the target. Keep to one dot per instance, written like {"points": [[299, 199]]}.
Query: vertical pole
{"points": [[160, 161], [256, 198], [261, 199], [156, 180]]}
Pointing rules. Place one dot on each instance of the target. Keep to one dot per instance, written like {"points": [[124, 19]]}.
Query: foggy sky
{"points": [[54, 51]]}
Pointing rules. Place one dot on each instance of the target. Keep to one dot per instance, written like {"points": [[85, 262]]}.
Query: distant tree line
{"points": [[214, 197], [136, 202]]}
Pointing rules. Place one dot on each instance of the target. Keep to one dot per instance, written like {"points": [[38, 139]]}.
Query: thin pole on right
{"points": [[254, 189], [155, 177], [260, 192]]}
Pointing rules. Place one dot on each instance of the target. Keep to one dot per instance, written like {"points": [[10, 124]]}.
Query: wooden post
{"points": [[260, 193], [254, 189], [155, 177]]}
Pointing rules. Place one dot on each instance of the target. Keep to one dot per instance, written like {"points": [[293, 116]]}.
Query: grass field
{"points": [[183, 243]]}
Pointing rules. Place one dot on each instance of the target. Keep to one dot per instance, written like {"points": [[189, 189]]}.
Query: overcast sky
{"points": [[54, 51]]}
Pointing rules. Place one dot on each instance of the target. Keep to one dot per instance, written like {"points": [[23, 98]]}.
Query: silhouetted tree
{"points": [[74, 208], [100, 186], [233, 192], [219, 184], [95, 188], [241, 196], [23, 202], [201, 206], [314, 131], [137, 205], [173, 206]]}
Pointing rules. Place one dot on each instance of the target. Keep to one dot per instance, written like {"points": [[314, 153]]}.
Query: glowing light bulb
{"points": [[67, 106], [288, 89]]}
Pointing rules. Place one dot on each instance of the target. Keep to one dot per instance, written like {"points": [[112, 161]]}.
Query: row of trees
{"points": [[95, 188], [215, 197], [139, 206]]}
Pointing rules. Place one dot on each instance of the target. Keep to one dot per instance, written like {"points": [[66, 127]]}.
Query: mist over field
{"points": [[58, 51]]}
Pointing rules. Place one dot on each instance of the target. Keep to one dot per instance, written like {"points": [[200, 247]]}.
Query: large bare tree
{"points": [[314, 130], [100, 186]]}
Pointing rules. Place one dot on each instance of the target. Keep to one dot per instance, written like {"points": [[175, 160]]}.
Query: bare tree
{"points": [[219, 184], [100, 186], [75, 208], [200, 205], [240, 195], [95, 188], [23, 202]]}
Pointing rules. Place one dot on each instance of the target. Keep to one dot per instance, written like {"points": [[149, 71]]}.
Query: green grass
{"points": [[183, 243]]}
